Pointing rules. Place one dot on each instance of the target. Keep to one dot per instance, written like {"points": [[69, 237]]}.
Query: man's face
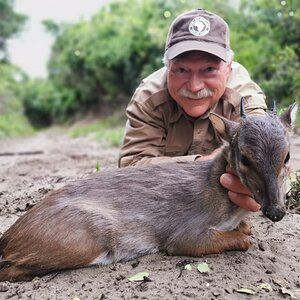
{"points": [[196, 81]]}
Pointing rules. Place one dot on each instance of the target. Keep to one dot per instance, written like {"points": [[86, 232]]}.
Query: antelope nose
{"points": [[275, 213]]}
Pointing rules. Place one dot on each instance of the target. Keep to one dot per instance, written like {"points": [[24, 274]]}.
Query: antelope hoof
{"points": [[245, 244], [244, 227]]}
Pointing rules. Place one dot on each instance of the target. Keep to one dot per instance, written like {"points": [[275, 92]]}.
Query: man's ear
{"points": [[224, 127], [289, 116], [230, 55]]}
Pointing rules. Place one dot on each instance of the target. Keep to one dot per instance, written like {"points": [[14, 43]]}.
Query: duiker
{"points": [[181, 208]]}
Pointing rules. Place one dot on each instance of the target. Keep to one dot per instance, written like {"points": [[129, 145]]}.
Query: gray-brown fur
{"points": [[117, 215]]}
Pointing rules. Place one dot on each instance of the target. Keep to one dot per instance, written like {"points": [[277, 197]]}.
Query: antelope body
{"points": [[117, 215]]}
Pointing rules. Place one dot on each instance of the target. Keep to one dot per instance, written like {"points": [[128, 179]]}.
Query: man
{"points": [[168, 113]]}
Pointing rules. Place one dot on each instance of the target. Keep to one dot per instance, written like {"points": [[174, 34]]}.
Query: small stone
{"points": [[3, 287]]}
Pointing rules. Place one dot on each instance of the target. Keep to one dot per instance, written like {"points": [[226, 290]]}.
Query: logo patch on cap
{"points": [[199, 26]]}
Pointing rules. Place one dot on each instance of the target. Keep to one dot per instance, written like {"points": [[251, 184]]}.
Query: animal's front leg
{"points": [[244, 227]]}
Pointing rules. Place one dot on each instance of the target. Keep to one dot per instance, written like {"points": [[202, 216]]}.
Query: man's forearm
{"points": [[146, 160]]}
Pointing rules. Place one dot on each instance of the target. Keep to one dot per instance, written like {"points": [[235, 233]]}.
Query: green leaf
{"points": [[203, 268], [97, 166], [245, 291], [138, 277], [265, 286]]}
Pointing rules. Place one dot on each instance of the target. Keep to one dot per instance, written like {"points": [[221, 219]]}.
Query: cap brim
{"points": [[208, 47]]}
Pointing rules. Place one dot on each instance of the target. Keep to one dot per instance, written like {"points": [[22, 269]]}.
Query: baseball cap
{"points": [[198, 30]]}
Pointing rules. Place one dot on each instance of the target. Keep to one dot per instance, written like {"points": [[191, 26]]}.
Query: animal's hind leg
{"points": [[26, 268], [215, 242], [13, 273], [40, 253]]}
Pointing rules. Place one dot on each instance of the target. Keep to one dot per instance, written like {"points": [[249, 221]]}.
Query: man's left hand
{"points": [[238, 193]]}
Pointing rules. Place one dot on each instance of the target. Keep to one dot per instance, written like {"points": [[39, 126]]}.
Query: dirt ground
{"points": [[32, 167]]}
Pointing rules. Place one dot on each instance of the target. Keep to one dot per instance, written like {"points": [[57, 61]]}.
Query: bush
{"points": [[12, 120], [40, 100], [96, 65], [103, 60], [283, 83]]}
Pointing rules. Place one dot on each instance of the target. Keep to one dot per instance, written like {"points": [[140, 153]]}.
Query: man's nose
{"points": [[195, 83]]}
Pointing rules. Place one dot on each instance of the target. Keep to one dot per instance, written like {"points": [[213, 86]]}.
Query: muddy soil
{"points": [[32, 167]]}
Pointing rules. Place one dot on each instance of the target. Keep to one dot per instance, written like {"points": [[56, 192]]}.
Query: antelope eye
{"points": [[245, 161], [287, 158]]}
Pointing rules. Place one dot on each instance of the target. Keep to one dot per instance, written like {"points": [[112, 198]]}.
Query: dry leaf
{"points": [[203, 268], [138, 277], [188, 267], [265, 286], [245, 291]]}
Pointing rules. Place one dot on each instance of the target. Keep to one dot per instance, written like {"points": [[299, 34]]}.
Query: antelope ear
{"points": [[224, 127], [289, 116]]}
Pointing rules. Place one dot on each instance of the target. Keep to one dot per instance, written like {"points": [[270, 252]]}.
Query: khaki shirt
{"points": [[158, 130]]}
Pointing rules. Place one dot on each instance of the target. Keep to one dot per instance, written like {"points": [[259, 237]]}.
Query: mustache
{"points": [[204, 93]]}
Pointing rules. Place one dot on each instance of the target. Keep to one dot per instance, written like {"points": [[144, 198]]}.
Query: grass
{"points": [[294, 198], [297, 121], [108, 129], [12, 125]]}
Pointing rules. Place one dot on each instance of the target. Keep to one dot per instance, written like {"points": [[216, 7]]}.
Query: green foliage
{"points": [[297, 121], [294, 199], [284, 19], [284, 80], [8, 81], [96, 65], [103, 60], [14, 124], [265, 36], [108, 129], [10, 24], [41, 101], [52, 27], [10, 21], [12, 120], [98, 167]]}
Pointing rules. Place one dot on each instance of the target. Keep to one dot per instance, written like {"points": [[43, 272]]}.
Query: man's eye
{"points": [[210, 70], [181, 70]]}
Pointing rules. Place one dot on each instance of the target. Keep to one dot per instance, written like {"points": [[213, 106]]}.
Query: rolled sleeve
{"points": [[145, 136]]}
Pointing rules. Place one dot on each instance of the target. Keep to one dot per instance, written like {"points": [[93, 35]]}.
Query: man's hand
{"points": [[238, 193]]}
